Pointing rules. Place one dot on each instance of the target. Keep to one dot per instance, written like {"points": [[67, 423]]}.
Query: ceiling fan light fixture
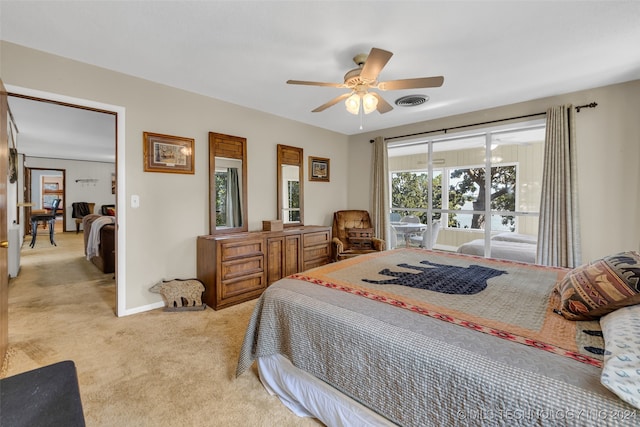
{"points": [[353, 104], [369, 103]]}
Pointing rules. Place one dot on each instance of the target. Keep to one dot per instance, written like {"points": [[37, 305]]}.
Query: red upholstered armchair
{"points": [[353, 235]]}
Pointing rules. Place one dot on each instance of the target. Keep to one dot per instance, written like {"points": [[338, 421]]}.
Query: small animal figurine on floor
{"points": [[180, 294]]}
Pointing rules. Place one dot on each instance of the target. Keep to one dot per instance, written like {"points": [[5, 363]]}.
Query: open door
{"points": [[4, 271]]}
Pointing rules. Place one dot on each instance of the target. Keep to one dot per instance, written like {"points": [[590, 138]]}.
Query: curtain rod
{"points": [[445, 130]]}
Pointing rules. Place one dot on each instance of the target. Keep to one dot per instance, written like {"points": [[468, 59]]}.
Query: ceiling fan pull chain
{"points": [[361, 114]]}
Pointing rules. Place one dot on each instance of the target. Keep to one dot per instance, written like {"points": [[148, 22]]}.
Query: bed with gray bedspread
{"points": [[418, 370]]}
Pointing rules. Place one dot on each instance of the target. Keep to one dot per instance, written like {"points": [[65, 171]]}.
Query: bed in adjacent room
{"points": [[422, 338], [511, 246]]}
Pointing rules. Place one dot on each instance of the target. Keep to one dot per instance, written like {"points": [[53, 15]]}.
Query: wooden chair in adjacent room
{"points": [[49, 218]]}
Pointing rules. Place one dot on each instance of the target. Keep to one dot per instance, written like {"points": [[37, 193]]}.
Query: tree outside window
{"points": [[466, 192], [410, 193], [293, 189], [221, 198]]}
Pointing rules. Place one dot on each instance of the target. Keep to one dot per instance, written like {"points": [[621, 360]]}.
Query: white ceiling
{"points": [[54, 131], [490, 52]]}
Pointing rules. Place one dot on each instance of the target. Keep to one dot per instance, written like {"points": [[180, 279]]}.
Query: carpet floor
{"points": [[151, 369]]}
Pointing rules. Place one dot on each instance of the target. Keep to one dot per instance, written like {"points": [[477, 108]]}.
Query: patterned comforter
{"points": [[401, 332]]}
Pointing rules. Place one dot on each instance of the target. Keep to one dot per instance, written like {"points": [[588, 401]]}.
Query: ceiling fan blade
{"points": [[302, 82], [375, 62], [383, 106], [412, 83], [331, 103]]}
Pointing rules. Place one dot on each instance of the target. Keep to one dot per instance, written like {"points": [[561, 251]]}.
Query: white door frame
{"points": [[119, 111]]}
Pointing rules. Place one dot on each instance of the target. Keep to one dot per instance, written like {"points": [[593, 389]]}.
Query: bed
{"points": [[511, 246], [413, 337]]}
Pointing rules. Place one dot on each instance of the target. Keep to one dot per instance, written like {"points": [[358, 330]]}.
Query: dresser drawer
{"points": [[317, 252], [241, 267], [317, 238], [308, 265], [241, 248], [242, 287]]}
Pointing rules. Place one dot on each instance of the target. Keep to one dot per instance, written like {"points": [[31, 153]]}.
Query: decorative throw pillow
{"points": [[111, 211], [600, 287], [621, 370], [360, 238]]}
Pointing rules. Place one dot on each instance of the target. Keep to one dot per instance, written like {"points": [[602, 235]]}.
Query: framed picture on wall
{"points": [[166, 153], [318, 169]]}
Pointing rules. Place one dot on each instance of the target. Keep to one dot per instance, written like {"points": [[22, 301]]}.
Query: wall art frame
{"points": [[168, 153], [319, 169]]}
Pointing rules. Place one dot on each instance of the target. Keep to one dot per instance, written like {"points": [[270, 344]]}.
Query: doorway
{"points": [[117, 134], [42, 187]]}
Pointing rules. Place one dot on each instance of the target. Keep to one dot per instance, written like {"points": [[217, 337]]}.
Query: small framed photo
{"points": [[166, 153], [318, 169]]}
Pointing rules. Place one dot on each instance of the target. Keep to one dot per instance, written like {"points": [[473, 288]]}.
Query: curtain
{"points": [[559, 227], [380, 190], [234, 211]]}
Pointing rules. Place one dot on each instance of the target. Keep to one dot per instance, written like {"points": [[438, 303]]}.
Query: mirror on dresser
{"points": [[290, 186], [227, 184]]}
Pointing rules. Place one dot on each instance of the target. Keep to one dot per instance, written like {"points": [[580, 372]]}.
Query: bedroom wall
{"points": [[160, 240], [608, 153]]}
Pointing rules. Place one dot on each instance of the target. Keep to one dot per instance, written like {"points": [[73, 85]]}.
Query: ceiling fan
{"points": [[364, 78]]}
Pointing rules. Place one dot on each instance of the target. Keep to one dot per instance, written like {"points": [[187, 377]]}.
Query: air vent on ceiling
{"points": [[411, 100]]}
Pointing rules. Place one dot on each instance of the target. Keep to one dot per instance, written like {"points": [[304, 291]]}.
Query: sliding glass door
{"points": [[476, 185]]}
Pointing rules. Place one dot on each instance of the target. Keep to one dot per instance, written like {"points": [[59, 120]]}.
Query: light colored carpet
{"points": [[151, 369]]}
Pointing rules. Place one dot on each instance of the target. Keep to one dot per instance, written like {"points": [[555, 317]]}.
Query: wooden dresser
{"points": [[238, 267]]}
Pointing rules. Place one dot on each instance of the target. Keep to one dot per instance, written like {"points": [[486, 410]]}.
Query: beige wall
{"points": [[608, 156], [160, 239]]}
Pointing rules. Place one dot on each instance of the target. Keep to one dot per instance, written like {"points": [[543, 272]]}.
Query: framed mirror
{"points": [[227, 184], [290, 186]]}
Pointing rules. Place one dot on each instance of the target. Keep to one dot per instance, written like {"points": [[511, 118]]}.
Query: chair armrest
{"points": [[378, 244], [337, 244], [337, 247]]}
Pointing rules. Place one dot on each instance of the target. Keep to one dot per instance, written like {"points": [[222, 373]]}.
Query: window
{"points": [[52, 190], [409, 194], [467, 192], [477, 184]]}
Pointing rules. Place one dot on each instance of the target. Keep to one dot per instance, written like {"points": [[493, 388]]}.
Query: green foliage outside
{"points": [[410, 190], [221, 198], [294, 200]]}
